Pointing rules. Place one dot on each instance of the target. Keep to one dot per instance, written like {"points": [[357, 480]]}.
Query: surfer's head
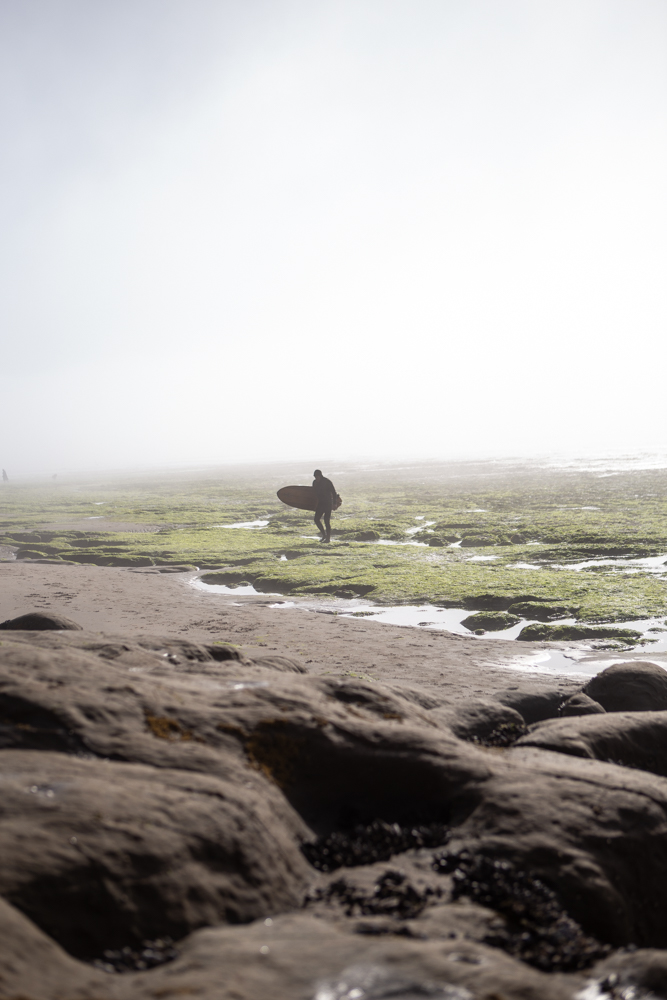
{"points": [[317, 473]]}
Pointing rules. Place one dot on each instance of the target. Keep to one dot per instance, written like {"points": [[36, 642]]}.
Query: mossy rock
{"points": [[542, 612], [366, 536], [44, 549], [542, 633], [108, 559], [478, 541], [436, 542], [26, 553], [493, 602], [490, 621]]}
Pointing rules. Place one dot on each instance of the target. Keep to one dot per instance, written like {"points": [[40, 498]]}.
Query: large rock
{"points": [[542, 612], [40, 621], [490, 621], [631, 739], [151, 789], [534, 703], [568, 633], [580, 704], [294, 957], [634, 686], [103, 854]]}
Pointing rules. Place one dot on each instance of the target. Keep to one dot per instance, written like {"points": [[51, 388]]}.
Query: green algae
{"points": [[529, 525], [567, 633], [490, 621]]}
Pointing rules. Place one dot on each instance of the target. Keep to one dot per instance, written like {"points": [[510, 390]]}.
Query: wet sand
{"points": [[145, 601]]}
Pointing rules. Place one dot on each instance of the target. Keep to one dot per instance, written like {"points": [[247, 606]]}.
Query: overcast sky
{"points": [[326, 229]]}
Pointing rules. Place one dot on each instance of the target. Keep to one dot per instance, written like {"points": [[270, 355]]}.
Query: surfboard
{"points": [[301, 497]]}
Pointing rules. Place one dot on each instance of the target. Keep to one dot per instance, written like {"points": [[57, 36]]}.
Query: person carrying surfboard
{"points": [[326, 501]]}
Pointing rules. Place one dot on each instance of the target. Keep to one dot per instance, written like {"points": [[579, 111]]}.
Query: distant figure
{"points": [[5, 477], [327, 499]]}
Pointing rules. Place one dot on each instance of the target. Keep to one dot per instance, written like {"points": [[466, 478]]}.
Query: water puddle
{"points": [[413, 531], [244, 590], [388, 541], [243, 524], [649, 564], [584, 660]]}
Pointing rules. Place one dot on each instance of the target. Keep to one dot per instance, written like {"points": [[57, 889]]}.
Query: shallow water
{"points": [[426, 524], [243, 524], [218, 588], [649, 564], [581, 661]]}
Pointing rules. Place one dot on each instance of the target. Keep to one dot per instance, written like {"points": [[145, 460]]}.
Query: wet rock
{"points": [[33, 966], [301, 956], [626, 738], [533, 704], [485, 722], [490, 621], [146, 956], [495, 602], [366, 536], [285, 664], [542, 612], [470, 541], [637, 974], [580, 704], [30, 553], [40, 621], [436, 542], [582, 827], [566, 633], [539, 930], [189, 784], [118, 853], [634, 686]]}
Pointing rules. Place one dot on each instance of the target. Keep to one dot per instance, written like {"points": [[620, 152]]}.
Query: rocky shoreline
{"points": [[182, 818]]}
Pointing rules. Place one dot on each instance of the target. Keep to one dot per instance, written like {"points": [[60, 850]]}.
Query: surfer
{"points": [[326, 500]]}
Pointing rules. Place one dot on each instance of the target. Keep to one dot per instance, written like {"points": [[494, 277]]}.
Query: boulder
{"points": [[580, 704], [104, 854], [566, 633], [295, 955], [40, 621], [542, 612], [436, 542], [478, 541], [366, 536], [285, 664], [534, 704], [634, 686], [151, 790], [630, 739], [490, 621]]}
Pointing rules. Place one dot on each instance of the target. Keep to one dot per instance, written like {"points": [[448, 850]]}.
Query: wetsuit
{"points": [[326, 497]]}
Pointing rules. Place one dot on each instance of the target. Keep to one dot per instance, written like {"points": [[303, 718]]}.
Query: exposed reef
{"points": [[179, 819]]}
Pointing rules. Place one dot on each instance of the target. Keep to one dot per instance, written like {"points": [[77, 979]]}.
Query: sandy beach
{"points": [[135, 602]]}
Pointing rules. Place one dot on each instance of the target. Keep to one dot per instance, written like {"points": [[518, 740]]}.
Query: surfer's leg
{"points": [[318, 522], [327, 521]]}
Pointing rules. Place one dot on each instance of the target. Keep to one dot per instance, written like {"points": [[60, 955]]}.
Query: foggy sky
{"points": [[247, 230]]}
